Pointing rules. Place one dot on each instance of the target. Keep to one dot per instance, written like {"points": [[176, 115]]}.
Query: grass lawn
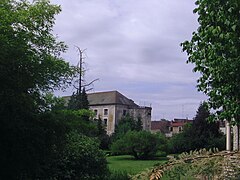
{"points": [[130, 165]]}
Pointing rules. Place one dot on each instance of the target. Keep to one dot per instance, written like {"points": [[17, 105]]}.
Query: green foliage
{"points": [[200, 134], [37, 139], [52, 103], [127, 123], [214, 50], [104, 139], [141, 144], [30, 66], [74, 120], [79, 101], [200, 164], [82, 159]]}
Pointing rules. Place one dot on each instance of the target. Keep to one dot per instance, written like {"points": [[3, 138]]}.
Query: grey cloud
{"points": [[134, 47]]}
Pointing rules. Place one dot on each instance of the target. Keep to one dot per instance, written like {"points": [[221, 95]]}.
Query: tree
{"points": [[139, 124], [141, 144], [127, 123], [82, 159], [200, 134], [30, 66], [201, 126], [215, 51], [102, 135], [79, 101]]}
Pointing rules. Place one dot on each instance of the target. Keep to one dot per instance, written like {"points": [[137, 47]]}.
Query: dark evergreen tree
{"points": [[79, 101], [202, 126], [102, 135], [201, 134], [84, 104]]}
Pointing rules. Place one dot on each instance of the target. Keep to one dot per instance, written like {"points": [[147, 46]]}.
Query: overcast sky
{"points": [[133, 46]]}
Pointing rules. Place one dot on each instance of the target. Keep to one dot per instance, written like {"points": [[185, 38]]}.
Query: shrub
{"points": [[142, 144], [82, 159]]}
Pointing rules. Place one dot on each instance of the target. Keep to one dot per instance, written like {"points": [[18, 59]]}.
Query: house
{"points": [[178, 124], [169, 127], [162, 126], [111, 106]]}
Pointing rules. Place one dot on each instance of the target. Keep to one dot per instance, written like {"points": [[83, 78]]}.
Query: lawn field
{"points": [[126, 163]]}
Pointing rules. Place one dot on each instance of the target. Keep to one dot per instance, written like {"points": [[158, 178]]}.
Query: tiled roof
{"points": [[160, 125], [109, 97], [177, 124]]}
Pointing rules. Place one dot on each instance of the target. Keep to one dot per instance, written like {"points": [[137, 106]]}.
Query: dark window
{"points": [[95, 112], [124, 112], [105, 112], [180, 128], [105, 121]]}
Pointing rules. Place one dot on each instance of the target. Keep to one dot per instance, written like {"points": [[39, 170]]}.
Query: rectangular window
{"points": [[124, 112], [105, 112], [105, 122], [95, 112]]}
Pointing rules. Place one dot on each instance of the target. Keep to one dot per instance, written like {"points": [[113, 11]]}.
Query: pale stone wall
{"points": [[120, 110], [177, 129], [109, 118], [145, 114]]}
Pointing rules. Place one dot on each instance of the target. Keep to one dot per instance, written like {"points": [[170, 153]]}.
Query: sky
{"points": [[133, 46]]}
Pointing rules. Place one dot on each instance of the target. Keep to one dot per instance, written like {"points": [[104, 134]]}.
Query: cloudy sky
{"points": [[133, 46]]}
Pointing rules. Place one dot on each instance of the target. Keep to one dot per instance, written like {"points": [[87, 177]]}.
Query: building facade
{"points": [[112, 106]]}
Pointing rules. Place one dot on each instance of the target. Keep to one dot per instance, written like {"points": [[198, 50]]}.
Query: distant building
{"points": [[111, 106], [162, 126], [177, 125], [169, 127]]}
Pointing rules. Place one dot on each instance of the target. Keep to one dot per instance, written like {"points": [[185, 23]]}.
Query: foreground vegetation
{"points": [[200, 164]]}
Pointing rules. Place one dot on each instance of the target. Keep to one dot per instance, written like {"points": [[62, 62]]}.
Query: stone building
{"points": [[169, 128], [111, 106]]}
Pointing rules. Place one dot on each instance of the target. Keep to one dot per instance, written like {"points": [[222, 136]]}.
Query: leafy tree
{"points": [[52, 103], [127, 123], [215, 51], [102, 135], [141, 144], [30, 65], [82, 159]]}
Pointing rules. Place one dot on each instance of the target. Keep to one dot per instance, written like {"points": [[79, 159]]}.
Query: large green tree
{"points": [[215, 51], [30, 65], [140, 144]]}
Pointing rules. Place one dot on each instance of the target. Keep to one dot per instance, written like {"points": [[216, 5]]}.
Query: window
{"points": [[105, 122], [95, 112], [105, 112], [180, 129], [124, 112]]}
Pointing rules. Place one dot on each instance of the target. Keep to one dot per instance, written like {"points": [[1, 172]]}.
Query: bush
{"points": [[82, 159], [142, 144]]}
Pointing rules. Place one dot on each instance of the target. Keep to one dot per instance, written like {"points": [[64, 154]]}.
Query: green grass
{"points": [[126, 163]]}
